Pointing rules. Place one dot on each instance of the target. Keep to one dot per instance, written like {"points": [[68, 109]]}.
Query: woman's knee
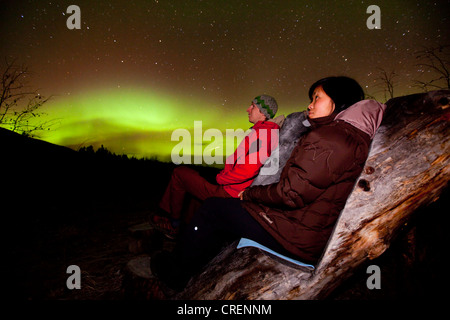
{"points": [[210, 206], [220, 208], [216, 203]]}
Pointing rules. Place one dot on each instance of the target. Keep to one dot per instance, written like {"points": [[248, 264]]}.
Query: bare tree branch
{"points": [[20, 106], [387, 83], [437, 60]]}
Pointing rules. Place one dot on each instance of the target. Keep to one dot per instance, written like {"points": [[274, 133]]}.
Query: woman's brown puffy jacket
{"points": [[301, 210]]}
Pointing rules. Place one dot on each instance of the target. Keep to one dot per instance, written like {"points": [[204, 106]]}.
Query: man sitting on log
{"points": [[240, 170], [296, 215]]}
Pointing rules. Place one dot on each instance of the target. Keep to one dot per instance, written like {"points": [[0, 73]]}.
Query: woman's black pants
{"points": [[219, 221]]}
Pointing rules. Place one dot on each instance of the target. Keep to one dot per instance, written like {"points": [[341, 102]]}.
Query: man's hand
{"points": [[241, 195]]}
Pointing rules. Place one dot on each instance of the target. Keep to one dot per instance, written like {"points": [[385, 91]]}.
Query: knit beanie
{"points": [[267, 105]]}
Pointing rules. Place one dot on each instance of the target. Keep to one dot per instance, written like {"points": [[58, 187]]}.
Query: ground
{"points": [[99, 244]]}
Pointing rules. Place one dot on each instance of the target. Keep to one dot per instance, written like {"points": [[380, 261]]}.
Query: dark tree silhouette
{"points": [[436, 60], [384, 81], [19, 105], [387, 82]]}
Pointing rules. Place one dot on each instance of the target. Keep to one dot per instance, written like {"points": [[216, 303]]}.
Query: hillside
{"points": [[62, 205]]}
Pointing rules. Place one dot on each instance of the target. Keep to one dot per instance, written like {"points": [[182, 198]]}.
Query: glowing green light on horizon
{"points": [[133, 121]]}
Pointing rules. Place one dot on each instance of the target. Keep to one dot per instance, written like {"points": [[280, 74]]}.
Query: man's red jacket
{"points": [[242, 167]]}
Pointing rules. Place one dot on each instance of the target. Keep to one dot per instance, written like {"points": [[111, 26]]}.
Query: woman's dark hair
{"points": [[342, 90]]}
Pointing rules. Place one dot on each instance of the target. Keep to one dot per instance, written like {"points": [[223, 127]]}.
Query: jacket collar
{"points": [[265, 125], [318, 122]]}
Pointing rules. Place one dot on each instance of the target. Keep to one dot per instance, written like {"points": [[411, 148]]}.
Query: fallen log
{"points": [[408, 167]]}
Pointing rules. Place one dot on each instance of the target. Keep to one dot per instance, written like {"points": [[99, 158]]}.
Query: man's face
{"points": [[321, 104], [254, 114]]}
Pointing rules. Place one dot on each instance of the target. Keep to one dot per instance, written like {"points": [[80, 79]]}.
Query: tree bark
{"points": [[408, 167]]}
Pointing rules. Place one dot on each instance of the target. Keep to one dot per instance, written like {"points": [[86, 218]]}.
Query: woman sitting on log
{"points": [[296, 215]]}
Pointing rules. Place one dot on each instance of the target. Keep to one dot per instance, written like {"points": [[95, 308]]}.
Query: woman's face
{"points": [[321, 104]]}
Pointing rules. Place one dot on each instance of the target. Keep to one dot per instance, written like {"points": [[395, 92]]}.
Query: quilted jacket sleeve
{"points": [[314, 165]]}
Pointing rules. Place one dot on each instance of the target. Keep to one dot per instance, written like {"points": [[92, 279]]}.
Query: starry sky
{"points": [[138, 70]]}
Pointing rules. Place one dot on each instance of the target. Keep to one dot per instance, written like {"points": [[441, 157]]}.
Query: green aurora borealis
{"points": [[132, 122]]}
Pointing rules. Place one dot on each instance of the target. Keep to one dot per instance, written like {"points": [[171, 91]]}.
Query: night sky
{"points": [[137, 70]]}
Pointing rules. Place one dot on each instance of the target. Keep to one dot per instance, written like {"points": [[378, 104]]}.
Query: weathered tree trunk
{"points": [[408, 167]]}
